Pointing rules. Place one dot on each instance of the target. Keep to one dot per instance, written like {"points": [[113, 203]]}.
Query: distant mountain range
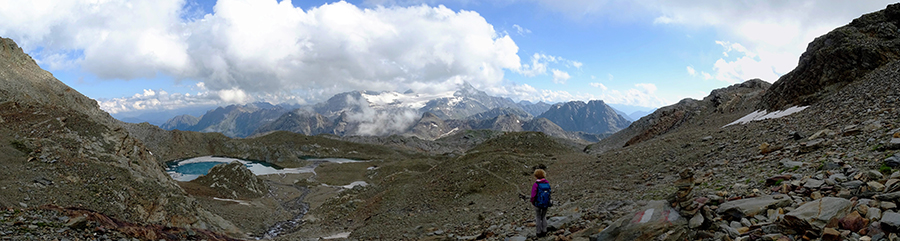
{"points": [[409, 114]]}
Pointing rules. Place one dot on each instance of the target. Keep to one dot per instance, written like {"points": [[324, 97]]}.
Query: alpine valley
{"points": [[811, 156]]}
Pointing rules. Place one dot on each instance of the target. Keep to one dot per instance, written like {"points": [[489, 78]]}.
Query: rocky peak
{"points": [[838, 58], [466, 89], [594, 117], [181, 122]]}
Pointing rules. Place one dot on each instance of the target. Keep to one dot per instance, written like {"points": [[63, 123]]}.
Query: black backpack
{"points": [[542, 199]]}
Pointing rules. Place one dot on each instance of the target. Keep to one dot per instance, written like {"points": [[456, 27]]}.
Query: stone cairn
{"points": [[689, 207]]}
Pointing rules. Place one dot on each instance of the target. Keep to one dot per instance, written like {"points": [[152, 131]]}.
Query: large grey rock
{"points": [[696, 221], [894, 144], [749, 207], [888, 196], [852, 185], [656, 221], [815, 215], [890, 222], [873, 214], [560, 222], [893, 161], [813, 183]]}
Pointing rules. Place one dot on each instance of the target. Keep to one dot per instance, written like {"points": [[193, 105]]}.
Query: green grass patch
{"points": [[884, 169]]}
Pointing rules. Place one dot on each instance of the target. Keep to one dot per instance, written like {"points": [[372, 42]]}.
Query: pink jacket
{"points": [[535, 187]]}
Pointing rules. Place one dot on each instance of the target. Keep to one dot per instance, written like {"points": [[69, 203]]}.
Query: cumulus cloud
{"points": [[745, 65], [560, 76], [157, 100], [248, 48], [691, 71], [379, 122]]}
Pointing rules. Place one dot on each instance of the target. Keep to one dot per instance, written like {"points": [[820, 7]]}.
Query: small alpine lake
{"points": [[192, 168]]}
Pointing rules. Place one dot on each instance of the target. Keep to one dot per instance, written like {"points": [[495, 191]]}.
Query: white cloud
{"points": [[647, 88], [266, 47], [598, 85], [576, 64], [691, 71], [706, 76], [662, 20], [559, 76], [539, 63], [233, 95], [747, 65], [767, 42], [379, 122], [520, 30], [642, 95], [157, 100]]}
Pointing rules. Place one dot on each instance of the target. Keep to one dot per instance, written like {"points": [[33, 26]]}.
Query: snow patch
{"points": [[763, 115], [338, 235], [395, 99], [453, 101], [448, 133], [349, 186], [241, 202]]}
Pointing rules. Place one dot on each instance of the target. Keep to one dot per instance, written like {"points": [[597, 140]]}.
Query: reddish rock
{"points": [[854, 222]]}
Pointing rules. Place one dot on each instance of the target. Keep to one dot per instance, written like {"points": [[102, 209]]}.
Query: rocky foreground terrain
{"points": [[685, 172]]}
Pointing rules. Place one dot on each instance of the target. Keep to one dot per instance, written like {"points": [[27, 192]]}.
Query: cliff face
{"points": [[838, 58]]}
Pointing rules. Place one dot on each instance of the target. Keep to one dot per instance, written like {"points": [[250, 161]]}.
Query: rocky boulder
{"points": [[816, 214], [735, 210], [656, 221]]}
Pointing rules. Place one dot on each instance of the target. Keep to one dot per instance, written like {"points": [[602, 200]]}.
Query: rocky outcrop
{"points": [[23, 81], [233, 180], [494, 113], [838, 58], [430, 127], [735, 100]]}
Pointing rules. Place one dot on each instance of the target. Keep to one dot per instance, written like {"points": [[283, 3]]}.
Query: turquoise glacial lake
{"points": [[190, 169]]}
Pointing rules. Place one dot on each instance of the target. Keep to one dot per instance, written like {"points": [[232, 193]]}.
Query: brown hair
{"points": [[540, 174]]}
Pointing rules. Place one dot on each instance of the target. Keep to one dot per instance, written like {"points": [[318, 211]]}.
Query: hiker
{"points": [[540, 198]]}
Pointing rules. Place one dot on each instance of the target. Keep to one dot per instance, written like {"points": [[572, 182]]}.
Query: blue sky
{"points": [[146, 56]]}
